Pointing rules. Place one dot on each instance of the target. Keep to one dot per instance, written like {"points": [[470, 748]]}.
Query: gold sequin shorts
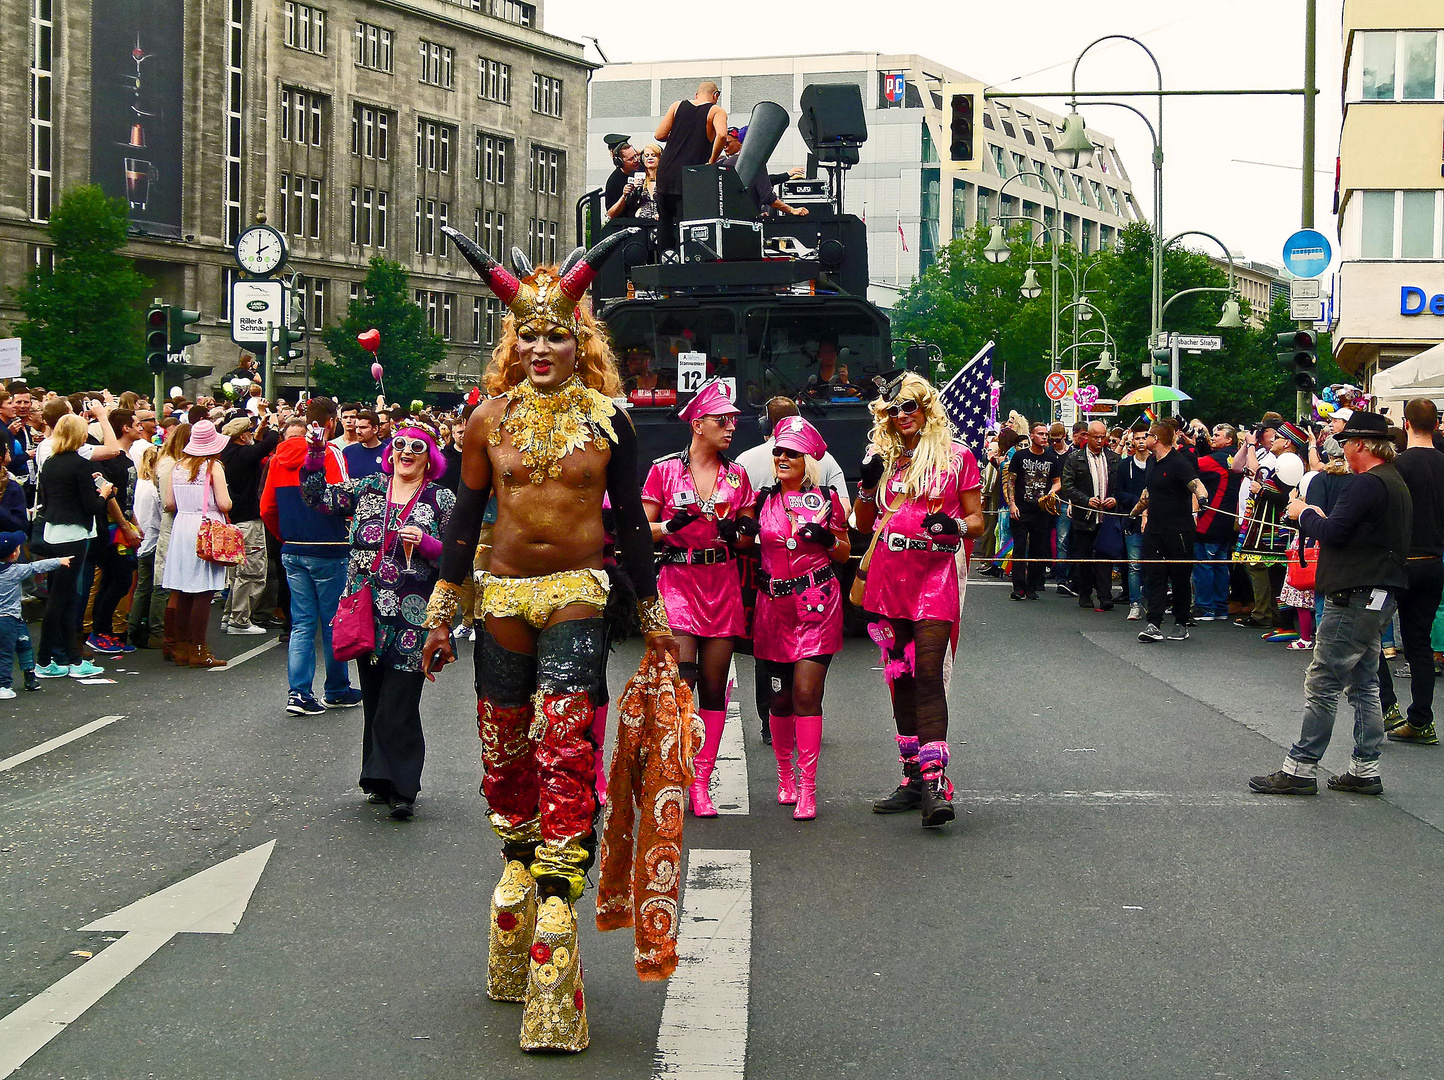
{"points": [[537, 599]]}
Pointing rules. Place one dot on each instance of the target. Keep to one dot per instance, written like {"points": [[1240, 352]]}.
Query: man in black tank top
{"points": [[693, 132]]}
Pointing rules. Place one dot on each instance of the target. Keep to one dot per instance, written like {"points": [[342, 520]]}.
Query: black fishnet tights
{"points": [[704, 665], [919, 702]]}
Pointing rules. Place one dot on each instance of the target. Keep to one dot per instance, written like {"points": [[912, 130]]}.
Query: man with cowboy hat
{"points": [[1363, 548]]}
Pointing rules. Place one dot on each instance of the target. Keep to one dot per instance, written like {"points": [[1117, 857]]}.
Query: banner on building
{"points": [[137, 87]]}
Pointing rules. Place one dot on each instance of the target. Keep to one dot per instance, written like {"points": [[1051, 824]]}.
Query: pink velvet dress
{"points": [[909, 578], [702, 600], [808, 622]]}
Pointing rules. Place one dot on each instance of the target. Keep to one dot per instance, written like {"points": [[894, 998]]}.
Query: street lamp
{"points": [[1074, 149], [1229, 316], [1031, 290], [996, 250]]}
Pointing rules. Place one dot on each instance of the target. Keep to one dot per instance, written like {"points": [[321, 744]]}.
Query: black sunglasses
{"points": [[904, 408], [782, 451]]}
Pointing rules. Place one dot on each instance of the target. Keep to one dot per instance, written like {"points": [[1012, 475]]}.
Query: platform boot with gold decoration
{"points": [[513, 923], [556, 1010]]}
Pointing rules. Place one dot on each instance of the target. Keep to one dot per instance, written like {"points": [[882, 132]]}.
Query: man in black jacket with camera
{"points": [[1363, 551]]}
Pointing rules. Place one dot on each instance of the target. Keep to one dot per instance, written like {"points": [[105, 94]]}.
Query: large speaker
{"points": [[712, 191], [832, 119]]}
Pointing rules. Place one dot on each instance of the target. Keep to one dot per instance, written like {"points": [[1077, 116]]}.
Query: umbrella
{"points": [[1146, 395]]}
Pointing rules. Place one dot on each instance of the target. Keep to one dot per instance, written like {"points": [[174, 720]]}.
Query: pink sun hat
{"points": [[205, 440], [795, 433], [712, 400]]}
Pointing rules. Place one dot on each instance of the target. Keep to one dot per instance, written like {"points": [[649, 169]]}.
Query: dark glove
{"points": [[871, 472], [727, 529], [747, 526], [941, 524], [817, 534], [681, 519], [609, 521]]}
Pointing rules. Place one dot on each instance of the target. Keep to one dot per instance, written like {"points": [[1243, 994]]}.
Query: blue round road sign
{"points": [[1307, 253]]}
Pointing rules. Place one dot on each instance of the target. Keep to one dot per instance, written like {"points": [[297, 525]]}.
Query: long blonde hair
{"points": [[933, 455], [596, 366]]}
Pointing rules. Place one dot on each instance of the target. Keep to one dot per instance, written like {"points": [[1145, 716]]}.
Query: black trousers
{"points": [[393, 750], [1417, 605], [1158, 577], [1089, 576], [669, 213], [117, 571], [1032, 539], [62, 622]]}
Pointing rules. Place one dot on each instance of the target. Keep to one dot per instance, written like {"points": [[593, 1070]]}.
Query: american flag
{"points": [[968, 400]]}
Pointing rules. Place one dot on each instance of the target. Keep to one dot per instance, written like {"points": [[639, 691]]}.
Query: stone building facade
{"points": [[358, 127]]}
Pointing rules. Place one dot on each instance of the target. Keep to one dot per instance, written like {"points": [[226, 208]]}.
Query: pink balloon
{"points": [[376, 372]]}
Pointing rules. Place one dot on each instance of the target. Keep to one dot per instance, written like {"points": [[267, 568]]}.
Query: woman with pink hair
{"points": [[398, 517]]}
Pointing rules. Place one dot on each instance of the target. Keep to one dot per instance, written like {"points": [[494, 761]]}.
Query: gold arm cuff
{"points": [[445, 602], [653, 614]]}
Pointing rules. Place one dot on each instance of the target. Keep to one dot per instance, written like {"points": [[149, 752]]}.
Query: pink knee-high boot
{"points": [[809, 745], [700, 793], [599, 736], [782, 742]]}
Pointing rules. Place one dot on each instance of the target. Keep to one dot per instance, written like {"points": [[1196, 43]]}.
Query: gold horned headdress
{"points": [[541, 299]]}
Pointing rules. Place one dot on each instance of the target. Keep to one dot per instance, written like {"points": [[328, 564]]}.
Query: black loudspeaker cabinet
{"points": [[840, 241], [712, 191], [709, 241], [832, 117]]}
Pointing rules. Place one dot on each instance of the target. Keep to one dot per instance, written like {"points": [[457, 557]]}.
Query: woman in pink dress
{"points": [[700, 506], [798, 624], [922, 489]]}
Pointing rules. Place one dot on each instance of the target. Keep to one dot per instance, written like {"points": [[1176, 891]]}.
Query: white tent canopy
{"points": [[1420, 376]]}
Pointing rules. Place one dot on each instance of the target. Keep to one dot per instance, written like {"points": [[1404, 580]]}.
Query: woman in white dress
{"points": [[194, 490]]}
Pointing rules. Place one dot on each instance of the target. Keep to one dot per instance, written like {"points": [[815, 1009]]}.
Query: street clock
{"points": [[260, 250]]}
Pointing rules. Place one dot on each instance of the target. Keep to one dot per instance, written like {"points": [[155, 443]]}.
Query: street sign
{"points": [[1068, 407], [1197, 342], [1306, 310], [254, 304], [1306, 289], [1307, 253], [1056, 386], [1103, 407]]}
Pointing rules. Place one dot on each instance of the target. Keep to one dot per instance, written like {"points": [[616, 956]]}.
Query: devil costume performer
{"points": [[543, 451], [699, 578], [927, 489], [798, 623]]}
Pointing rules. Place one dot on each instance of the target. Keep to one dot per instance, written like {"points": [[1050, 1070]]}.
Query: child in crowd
{"points": [[14, 637]]}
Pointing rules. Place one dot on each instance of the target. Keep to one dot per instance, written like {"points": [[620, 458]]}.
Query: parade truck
{"points": [[776, 305]]}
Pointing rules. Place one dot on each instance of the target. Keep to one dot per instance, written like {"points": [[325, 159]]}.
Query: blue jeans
{"points": [[1346, 660], [316, 586], [1133, 542], [1210, 583], [14, 641], [1065, 530]]}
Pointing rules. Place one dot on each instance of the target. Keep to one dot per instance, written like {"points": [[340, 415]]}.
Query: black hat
{"points": [[1364, 425], [614, 141]]}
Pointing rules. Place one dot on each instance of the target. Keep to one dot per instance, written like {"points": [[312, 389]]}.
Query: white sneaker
{"points": [[6, 693], [248, 629], [1135, 612]]}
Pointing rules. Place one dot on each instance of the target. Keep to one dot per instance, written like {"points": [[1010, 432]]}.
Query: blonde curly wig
{"points": [[933, 455]]}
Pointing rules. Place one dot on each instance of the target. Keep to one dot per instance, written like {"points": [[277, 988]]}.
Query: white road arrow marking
{"points": [[704, 1020], [58, 741], [211, 902]]}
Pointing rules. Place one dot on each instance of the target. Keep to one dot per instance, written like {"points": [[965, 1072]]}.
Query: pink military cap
{"points": [[712, 400], [795, 433]]}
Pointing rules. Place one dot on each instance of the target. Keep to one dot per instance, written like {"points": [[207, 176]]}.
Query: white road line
{"points": [[729, 782], [247, 655], [59, 741], [704, 1021]]}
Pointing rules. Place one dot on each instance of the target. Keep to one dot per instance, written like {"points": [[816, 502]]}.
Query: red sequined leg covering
{"points": [[510, 783], [565, 766]]}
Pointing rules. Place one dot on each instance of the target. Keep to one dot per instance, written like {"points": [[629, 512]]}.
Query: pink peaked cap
{"points": [[712, 400], [795, 433]]}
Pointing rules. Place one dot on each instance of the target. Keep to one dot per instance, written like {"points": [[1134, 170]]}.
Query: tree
{"points": [[82, 325], [409, 348]]}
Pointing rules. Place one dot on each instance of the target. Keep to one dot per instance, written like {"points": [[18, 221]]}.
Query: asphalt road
{"points": [[1111, 901]]}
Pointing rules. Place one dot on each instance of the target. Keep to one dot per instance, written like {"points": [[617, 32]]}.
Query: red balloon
{"points": [[370, 341]]}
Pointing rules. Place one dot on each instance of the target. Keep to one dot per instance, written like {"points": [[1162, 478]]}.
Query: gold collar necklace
{"points": [[546, 426]]}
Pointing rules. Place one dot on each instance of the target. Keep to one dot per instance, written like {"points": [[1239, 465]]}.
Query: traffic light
{"points": [[1161, 360], [284, 341], [180, 337], [157, 322], [964, 101], [1299, 357]]}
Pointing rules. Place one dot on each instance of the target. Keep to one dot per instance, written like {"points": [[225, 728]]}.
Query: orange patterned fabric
{"points": [[657, 737]]}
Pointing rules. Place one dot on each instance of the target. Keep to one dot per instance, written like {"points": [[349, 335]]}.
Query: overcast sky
{"points": [[1211, 144]]}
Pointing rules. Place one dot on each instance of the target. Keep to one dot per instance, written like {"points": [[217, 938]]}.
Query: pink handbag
{"points": [[218, 541]]}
